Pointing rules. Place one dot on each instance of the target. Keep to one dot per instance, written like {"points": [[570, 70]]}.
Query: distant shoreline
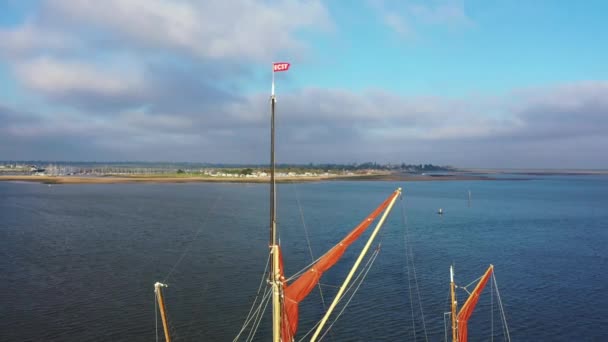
{"points": [[537, 172], [197, 179], [460, 175]]}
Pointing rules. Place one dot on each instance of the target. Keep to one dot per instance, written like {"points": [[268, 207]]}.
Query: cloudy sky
{"points": [[467, 83]]}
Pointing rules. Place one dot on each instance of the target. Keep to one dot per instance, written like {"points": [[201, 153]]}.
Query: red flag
{"points": [[280, 66]]}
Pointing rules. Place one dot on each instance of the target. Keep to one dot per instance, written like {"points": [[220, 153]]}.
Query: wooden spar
{"points": [[161, 308], [277, 290], [454, 305], [275, 273], [273, 186], [355, 266]]}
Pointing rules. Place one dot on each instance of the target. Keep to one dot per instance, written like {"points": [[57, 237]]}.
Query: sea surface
{"points": [[78, 262]]}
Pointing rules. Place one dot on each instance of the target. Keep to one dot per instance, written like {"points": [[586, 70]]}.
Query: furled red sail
{"points": [[467, 309], [295, 292]]}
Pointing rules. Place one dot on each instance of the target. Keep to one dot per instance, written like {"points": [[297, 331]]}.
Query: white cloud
{"points": [[144, 79], [535, 128], [206, 29], [30, 38], [58, 78], [398, 24], [449, 12], [408, 18]]}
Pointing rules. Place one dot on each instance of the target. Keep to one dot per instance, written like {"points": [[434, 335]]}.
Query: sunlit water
{"points": [[78, 262]]}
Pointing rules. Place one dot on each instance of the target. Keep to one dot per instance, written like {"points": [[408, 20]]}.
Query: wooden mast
{"points": [[275, 273], [454, 306], [161, 308]]}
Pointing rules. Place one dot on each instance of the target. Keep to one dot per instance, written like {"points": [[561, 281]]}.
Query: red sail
{"points": [[467, 309], [301, 287]]}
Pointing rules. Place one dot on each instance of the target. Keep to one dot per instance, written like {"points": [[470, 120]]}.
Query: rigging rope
{"points": [[366, 269], [410, 259], [247, 318], [445, 326], [308, 240], [502, 311], [426, 338], [304, 269], [469, 284], [448, 313], [312, 257], [357, 280], [187, 249], [307, 267], [409, 281], [492, 310], [254, 329]]}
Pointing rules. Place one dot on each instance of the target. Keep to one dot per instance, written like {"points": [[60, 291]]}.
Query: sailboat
{"points": [[287, 294]]}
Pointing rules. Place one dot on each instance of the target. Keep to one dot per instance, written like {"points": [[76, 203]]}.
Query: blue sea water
{"points": [[78, 262]]}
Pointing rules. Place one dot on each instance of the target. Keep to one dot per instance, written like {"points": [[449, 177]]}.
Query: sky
{"points": [[490, 84]]}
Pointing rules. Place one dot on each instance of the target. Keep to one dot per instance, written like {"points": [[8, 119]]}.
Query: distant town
{"points": [[121, 169]]}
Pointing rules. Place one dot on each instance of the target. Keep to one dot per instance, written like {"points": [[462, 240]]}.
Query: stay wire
{"points": [[354, 282], [449, 313], [307, 267], [372, 259], [363, 272], [255, 326], [407, 263], [200, 229], [469, 284], [411, 258], [492, 310], [247, 318], [312, 257], [187, 249], [502, 311]]}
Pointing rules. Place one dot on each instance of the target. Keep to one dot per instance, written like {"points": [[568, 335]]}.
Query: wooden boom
{"points": [[161, 308]]}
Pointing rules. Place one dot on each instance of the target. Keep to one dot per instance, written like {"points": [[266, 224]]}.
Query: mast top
{"points": [[451, 273]]}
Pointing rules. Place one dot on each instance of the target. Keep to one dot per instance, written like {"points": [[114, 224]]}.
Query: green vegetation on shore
{"points": [[203, 169]]}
